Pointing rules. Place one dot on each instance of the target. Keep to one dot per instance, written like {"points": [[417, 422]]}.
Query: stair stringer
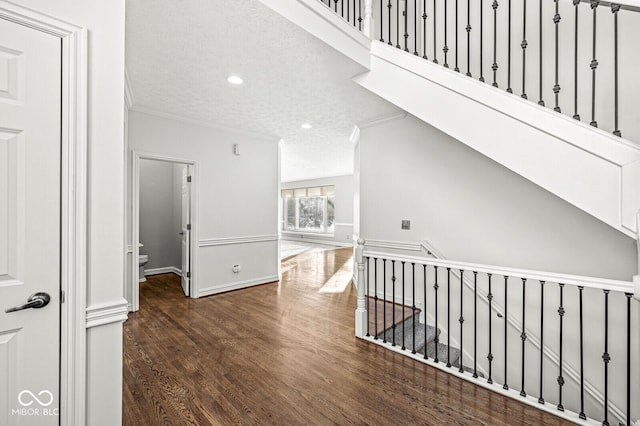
{"points": [[589, 168], [568, 370]]}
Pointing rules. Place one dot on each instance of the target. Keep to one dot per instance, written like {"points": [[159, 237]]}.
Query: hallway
{"points": [[284, 353]]}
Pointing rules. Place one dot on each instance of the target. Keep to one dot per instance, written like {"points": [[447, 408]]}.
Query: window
{"points": [[309, 209]]}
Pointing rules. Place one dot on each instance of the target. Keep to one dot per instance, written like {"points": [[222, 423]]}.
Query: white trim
{"points": [[107, 313], [210, 242], [314, 241], [393, 245], [237, 285], [202, 123], [135, 221], [383, 119], [339, 23], [163, 270], [342, 224], [355, 135], [129, 249], [73, 207], [129, 100]]}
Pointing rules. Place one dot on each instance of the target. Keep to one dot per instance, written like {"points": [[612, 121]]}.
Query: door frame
{"points": [[73, 208], [135, 222]]}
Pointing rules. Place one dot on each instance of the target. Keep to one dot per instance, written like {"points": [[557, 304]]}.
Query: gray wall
{"points": [[160, 213], [343, 234], [473, 209]]}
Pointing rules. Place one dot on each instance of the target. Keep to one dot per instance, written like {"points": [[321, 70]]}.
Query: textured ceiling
{"points": [[180, 52]]}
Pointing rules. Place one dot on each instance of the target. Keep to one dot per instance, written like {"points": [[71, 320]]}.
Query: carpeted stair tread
{"points": [[408, 334]]}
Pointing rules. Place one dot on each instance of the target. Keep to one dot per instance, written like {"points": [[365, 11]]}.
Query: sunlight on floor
{"points": [[340, 280]]}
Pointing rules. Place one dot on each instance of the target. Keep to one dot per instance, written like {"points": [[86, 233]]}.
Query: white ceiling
{"points": [[180, 52]]}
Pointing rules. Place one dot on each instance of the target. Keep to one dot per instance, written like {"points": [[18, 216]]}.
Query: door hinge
{"points": [[188, 227], [188, 274], [61, 296], [189, 179]]}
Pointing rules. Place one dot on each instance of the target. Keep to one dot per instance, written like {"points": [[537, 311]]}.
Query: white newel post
{"points": [[361, 311], [368, 27]]}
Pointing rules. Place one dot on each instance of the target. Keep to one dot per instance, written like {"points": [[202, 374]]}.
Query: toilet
{"points": [[143, 259]]}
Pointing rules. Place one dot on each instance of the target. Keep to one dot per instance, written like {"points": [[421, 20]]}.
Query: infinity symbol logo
{"points": [[35, 398]]}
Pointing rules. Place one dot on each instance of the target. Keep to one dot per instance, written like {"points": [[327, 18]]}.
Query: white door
{"points": [[186, 231], [30, 152]]}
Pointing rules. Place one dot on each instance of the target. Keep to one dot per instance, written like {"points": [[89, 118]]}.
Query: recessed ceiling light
{"points": [[306, 126], [234, 79]]}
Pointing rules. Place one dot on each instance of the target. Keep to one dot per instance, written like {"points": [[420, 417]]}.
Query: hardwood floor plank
{"points": [[285, 353]]}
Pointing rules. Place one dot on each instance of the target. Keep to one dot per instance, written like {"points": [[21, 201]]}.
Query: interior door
{"points": [[30, 167], [186, 231]]}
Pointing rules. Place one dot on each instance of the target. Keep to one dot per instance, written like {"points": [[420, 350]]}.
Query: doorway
{"points": [[163, 221]]}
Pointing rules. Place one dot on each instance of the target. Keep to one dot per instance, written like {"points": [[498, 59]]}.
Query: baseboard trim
{"points": [[107, 313], [236, 285], [163, 270], [314, 241]]}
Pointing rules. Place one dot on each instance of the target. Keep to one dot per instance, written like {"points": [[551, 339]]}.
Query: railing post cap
{"points": [[361, 241], [636, 282]]}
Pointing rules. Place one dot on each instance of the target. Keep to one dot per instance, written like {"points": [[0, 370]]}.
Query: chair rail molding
{"points": [[210, 242]]}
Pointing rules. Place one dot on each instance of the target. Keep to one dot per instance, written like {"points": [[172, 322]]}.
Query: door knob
{"points": [[35, 301]]}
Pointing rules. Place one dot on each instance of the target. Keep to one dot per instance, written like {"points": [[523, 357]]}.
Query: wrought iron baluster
{"points": [[523, 336], [342, 8], [402, 304], [406, 29], [415, 27], [375, 297], [628, 296], [389, 30], [524, 48], [509, 89], [413, 305], [606, 357], [556, 86], [506, 323], [384, 299], [398, 24], [424, 30], [490, 355], [360, 15], [481, 39], [541, 398], [475, 324], [348, 15], [560, 377], [461, 320], [540, 101], [436, 340], [456, 69], [448, 317], [445, 49], [393, 302], [381, 22], [424, 309], [494, 66], [582, 415], [615, 8], [435, 33], [366, 294], [335, 6], [576, 116], [594, 65], [468, 29]]}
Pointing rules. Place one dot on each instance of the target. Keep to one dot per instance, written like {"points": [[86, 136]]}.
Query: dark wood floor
{"points": [[285, 353]]}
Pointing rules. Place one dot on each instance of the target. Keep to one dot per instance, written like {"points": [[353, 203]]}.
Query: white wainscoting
{"points": [[107, 313]]}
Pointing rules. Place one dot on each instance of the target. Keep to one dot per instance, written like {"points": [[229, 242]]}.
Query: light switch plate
{"points": [[406, 224]]}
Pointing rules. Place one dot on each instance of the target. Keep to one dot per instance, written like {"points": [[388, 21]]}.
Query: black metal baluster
{"points": [[556, 86], [468, 28], [523, 336], [615, 8], [576, 116], [541, 398], [506, 322], [415, 27], [461, 320], [375, 297], [445, 49], [384, 299], [456, 69], [582, 415], [342, 8], [509, 89], [494, 66], [393, 302], [435, 33], [381, 22], [366, 294], [348, 15], [335, 6], [389, 31], [540, 101], [406, 29], [481, 39], [398, 24], [524, 48], [413, 304], [560, 377], [403, 301], [424, 309], [360, 15], [628, 296], [606, 358], [436, 340], [424, 30], [594, 65], [475, 325], [490, 355], [448, 317]]}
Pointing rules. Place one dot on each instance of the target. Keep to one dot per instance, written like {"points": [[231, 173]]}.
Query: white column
{"points": [[636, 279], [361, 311], [368, 22]]}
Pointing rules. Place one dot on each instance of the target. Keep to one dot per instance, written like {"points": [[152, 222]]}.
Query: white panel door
{"points": [[30, 145], [186, 231]]}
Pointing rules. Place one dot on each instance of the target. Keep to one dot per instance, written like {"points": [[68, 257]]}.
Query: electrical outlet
{"points": [[236, 269], [406, 224]]}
